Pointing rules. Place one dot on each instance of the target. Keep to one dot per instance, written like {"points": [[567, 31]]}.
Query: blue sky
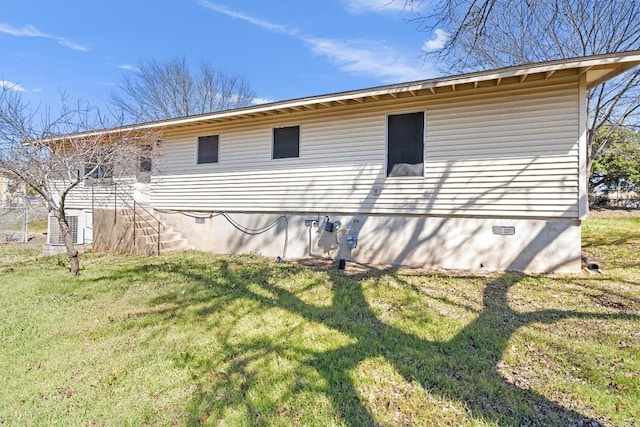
{"points": [[286, 48]]}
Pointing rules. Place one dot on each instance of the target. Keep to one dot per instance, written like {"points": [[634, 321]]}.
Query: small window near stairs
{"points": [[143, 174]]}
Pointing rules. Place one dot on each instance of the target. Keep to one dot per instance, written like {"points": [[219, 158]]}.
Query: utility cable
{"points": [[241, 228]]}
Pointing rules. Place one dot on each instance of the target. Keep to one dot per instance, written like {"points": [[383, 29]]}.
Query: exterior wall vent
{"points": [[504, 230], [200, 220]]}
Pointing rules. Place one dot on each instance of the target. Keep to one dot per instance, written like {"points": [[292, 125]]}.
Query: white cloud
{"points": [[438, 41], [129, 67], [358, 6], [378, 61], [244, 17], [71, 45], [256, 101], [31, 31], [6, 84], [360, 58], [26, 31]]}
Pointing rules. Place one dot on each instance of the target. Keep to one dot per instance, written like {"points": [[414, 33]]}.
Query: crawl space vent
{"points": [[504, 230]]}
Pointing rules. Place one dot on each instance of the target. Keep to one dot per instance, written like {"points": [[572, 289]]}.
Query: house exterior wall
{"points": [[510, 153], [503, 186], [434, 242], [501, 156], [86, 198], [12, 191], [107, 194], [3, 190]]}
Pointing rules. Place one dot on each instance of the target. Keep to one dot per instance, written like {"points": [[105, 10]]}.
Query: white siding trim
{"points": [[583, 189]]}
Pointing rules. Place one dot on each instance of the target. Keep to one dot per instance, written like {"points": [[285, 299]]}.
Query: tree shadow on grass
{"points": [[462, 369]]}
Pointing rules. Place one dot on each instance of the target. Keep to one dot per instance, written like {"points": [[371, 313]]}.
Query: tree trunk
{"points": [[588, 183], [74, 260], [590, 156]]}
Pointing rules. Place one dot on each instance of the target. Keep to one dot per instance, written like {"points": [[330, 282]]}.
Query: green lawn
{"points": [[193, 338]]}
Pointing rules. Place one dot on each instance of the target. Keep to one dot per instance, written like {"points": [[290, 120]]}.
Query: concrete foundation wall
{"points": [[536, 245]]}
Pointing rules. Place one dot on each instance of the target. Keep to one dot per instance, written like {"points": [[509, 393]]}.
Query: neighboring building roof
{"points": [[597, 69]]}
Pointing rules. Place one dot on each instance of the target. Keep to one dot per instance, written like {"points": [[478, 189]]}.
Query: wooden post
{"points": [[134, 223], [93, 219], [115, 203]]}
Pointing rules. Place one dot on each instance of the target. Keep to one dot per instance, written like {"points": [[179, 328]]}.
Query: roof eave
{"points": [[598, 69], [615, 64]]}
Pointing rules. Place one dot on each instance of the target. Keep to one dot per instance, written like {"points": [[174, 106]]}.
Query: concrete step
{"points": [[147, 233], [182, 247], [146, 225], [165, 235], [167, 243]]}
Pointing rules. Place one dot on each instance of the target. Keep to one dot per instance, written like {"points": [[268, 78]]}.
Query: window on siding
{"points": [[145, 159], [146, 164], [208, 149], [286, 142], [98, 168], [405, 144], [98, 172]]}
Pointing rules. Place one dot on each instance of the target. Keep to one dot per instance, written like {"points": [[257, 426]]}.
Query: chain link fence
{"points": [[14, 224], [16, 216]]}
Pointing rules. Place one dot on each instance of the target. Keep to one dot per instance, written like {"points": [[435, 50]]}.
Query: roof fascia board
{"points": [[611, 74]]}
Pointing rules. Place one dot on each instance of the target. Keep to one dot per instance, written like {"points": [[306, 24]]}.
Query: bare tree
{"points": [[162, 90], [483, 34], [54, 155]]}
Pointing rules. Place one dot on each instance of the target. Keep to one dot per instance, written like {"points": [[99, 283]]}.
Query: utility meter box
{"points": [[351, 240]]}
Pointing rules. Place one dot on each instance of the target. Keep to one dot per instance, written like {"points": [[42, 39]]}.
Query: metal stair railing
{"points": [[158, 226]]}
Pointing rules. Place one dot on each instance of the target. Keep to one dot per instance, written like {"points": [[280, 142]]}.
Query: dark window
{"points": [[405, 144], [99, 172], [286, 142], [97, 167], [208, 149], [145, 159], [146, 164]]}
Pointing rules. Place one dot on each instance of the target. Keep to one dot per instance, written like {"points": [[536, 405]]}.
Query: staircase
{"points": [[123, 225], [153, 236]]}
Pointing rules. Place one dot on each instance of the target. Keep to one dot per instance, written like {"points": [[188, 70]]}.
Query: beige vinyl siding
{"points": [[321, 143], [497, 152], [101, 196]]}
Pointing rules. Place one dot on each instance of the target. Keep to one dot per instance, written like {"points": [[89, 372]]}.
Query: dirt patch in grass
{"points": [[614, 213], [608, 302]]}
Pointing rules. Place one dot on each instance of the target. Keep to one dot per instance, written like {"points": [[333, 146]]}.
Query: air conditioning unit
{"points": [[55, 234]]}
